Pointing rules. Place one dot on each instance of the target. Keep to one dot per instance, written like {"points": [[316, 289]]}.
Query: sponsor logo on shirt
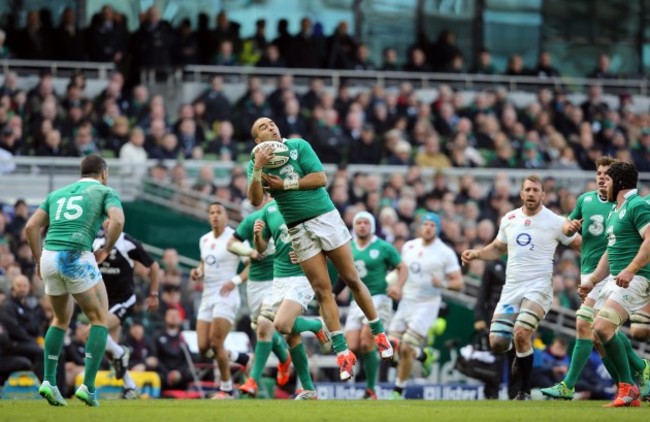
{"points": [[589, 199]]}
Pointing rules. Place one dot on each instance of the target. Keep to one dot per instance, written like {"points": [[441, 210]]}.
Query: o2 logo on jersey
{"points": [[524, 239], [415, 268], [211, 260]]}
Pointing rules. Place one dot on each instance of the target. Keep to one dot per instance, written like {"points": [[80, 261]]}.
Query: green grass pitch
{"points": [[317, 411]]}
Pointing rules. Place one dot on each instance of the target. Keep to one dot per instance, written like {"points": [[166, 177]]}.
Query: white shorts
{"points": [[595, 292], [635, 297], [416, 316], [323, 233], [69, 272], [356, 319], [217, 306], [606, 287], [513, 294], [258, 293], [295, 288]]}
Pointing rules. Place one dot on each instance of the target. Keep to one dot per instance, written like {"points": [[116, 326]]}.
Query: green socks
{"points": [[615, 350], [376, 327], [338, 342], [301, 364], [95, 346], [579, 358], [262, 352], [53, 344], [280, 347], [610, 368], [636, 363], [371, 367], [301, 325]]}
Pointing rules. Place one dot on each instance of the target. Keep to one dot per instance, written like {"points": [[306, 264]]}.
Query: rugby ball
{"points": [[280, 153]]}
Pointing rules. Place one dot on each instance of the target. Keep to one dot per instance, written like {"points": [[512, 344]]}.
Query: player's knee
{"points": [[366, 345], [585, 315], [640, 326], [264, 327], [607, 322], [501, 335], [412, 339], [283, 326], [204, 349], [640, 334], [583, 328], [351, 279], [522, 335]]}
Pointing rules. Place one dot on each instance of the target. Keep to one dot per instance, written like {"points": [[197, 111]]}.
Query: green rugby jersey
{"points": [[298, 205], [373, 263], [276, 229], [76, 213], [623, 233], [594, 211], [261, 270]]}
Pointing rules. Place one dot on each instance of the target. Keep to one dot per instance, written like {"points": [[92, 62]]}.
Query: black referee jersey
{"points": [[117, 269]]}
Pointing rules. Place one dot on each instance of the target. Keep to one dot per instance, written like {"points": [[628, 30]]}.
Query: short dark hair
{"points": [[93, 165], [605, 161]]}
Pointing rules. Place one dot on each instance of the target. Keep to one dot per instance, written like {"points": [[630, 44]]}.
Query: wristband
{"points": [[237, 280], [291, 184], [257, 175], [153, 294]]}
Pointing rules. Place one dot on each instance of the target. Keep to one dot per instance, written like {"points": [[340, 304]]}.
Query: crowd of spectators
{"points": [[156, 44]]}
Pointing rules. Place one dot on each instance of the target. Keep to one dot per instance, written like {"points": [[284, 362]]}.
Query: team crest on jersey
{"points": [[212, 246], [621, 214], [293, 154], [374, 254], [527, 223]]}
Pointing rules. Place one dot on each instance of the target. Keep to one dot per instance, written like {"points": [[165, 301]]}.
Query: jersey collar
{"points": [[88, 179]]}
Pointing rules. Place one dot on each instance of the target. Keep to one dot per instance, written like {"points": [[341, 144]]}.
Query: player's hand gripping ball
{"points": [[279, 153]]}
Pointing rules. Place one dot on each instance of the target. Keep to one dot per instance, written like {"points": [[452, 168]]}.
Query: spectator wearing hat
{"points": [[401, 155]]}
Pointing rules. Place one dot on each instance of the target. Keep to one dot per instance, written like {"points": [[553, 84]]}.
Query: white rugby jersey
{"points": [[531, 244], [425, 263], [219, 265]]}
